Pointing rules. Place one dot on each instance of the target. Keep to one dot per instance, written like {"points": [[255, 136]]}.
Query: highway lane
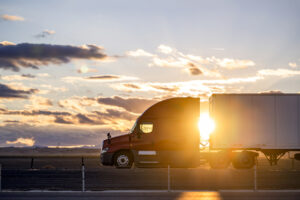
{"points": [[207, 195], [65, 174], [149, 179]]}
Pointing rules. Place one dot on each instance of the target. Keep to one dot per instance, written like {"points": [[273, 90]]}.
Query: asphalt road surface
{"points": [[277, 195], [149, 179]]}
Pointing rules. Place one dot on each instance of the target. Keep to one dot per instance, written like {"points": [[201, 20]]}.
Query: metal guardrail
{"points": [[32, 157], [51, 156], [84, 174]]}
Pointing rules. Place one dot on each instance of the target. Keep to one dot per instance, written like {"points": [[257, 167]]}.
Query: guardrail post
{"points": [[82, 175], [0, 178], [255, 174], [169, 184], [31, 163]]}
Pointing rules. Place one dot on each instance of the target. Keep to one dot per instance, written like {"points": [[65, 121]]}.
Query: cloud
{"points": [[11, 121], [206, 66], [5, 43], [54, 89], [38, 102], [45, 33], [293, 65], [83, 119], [54, 135], [181, 60], [99, 78], [12, 18], [116, 114], [103, 77], [84, 69], [196, 88], [8, 92], [61, 120], [73, 146], [165, 49], [278, 72], [139, 53], [18, 77], [133, 104], [167, 88], [73, 112], [22, 142], [34, 112], [131, 85], [194, 70], [113, 118], [77, 104], [229, 63], [13, 57]]}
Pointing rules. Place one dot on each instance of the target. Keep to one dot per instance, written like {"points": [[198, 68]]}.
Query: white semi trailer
{"points": [[268, 123]]}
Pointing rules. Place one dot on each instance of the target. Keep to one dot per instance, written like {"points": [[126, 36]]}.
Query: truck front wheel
{"points": [[123, 159]]}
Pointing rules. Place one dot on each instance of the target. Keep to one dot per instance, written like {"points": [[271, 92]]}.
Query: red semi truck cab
{"points": [[165, 134]]}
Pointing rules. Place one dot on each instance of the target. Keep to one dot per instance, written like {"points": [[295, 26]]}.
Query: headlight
{"points": [[104, 150]]}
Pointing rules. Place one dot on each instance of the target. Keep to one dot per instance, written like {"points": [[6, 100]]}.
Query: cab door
{"points": [[143, 142]]}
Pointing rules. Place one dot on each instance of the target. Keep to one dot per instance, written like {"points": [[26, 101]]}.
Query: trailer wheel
{"points": [[123, 159], [243, 160], [219, 160]]}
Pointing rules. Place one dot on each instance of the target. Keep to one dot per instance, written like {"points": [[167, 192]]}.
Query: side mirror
{"points": [[108, 137]]}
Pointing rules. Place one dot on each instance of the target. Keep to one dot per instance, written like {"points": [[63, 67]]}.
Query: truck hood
{"points": [[116, 140]]}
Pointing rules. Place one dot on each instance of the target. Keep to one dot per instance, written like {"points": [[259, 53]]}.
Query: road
{"points": [[209, 195], [65, 174], [149, 179]]}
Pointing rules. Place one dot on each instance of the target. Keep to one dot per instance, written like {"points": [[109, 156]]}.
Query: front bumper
{"points": [[107, 158]]}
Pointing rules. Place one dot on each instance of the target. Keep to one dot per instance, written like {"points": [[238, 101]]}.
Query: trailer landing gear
{"points": [[273, 155]]}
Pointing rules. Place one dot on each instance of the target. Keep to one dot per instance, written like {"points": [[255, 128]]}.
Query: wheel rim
{"points": [[123, 160]]}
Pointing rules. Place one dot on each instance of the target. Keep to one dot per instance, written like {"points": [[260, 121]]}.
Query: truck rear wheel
{"points": [[219, 160], [243, 160], [123, 159]]}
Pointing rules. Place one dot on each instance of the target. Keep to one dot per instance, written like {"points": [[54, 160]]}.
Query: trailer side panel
{"points": [[255, 121]]}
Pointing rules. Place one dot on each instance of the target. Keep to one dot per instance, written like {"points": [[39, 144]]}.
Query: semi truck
{"points": [[246, 124]]}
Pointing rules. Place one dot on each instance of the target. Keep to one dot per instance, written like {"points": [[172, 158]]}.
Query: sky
{"points": [[71, 71]]}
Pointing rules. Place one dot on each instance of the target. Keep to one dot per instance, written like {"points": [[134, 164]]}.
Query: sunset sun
{"points": [[206, 126]]}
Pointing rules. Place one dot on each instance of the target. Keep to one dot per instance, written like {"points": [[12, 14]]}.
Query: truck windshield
{"points": [[133, 127]]}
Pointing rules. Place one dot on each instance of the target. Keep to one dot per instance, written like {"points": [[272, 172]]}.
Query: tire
{"points": [[219, 160], [123, 160], [243, 160]]}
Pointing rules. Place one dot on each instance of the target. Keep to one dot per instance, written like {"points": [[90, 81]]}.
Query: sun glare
{"points": [[206, 126]]}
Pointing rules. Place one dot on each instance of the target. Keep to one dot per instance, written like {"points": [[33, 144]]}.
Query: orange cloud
{"points": [[22, 142], [12, 18], [278, 72]]}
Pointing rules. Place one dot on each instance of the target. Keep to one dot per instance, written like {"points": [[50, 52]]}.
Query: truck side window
{"points": [[146, 127]]}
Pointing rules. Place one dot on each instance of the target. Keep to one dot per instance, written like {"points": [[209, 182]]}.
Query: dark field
{"points": [[65, 174]]}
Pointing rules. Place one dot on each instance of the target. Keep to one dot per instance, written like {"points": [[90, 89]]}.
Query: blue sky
{"points": [[151, 50]]}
